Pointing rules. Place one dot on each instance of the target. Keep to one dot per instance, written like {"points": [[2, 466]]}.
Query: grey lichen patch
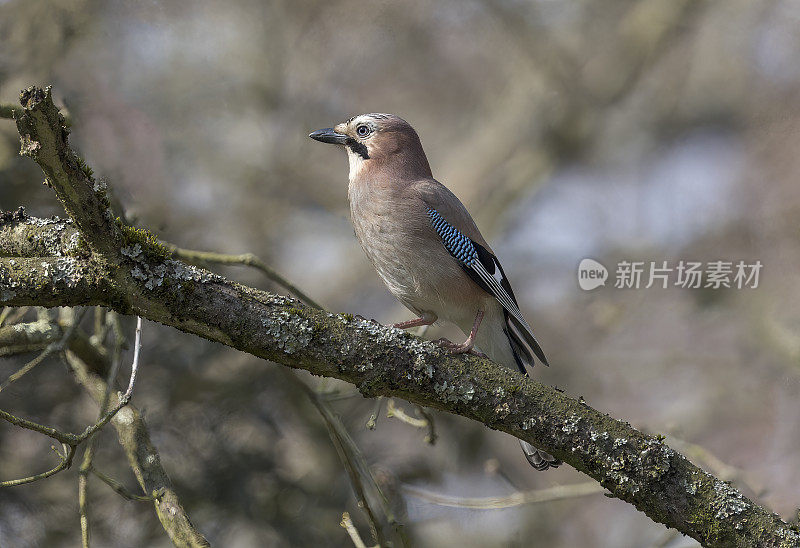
{"points": [[73, 244], [66, 270], [390, 336], [132, 251], [36, 237], [728, 502], [571, 424], [451, 392], [154, 275], [281, 300], [423, 365], [190, 273], [594, 435], [291, 332], [62, 271], [365, 366], [657, 458], [690, 486], [49, 221]]}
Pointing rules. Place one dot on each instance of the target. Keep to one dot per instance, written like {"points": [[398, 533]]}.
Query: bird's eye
{"points": [[362, 130]]}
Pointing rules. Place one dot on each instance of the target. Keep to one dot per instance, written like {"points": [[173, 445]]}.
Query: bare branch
{"points": [[19, 338], [519, 498], [137, 347], [353, 461], [88, 455], [425, 422], [347, 525], [44, 138], [122, 491], [143, 457], [50, 349], [66, 462], [246, 259]]}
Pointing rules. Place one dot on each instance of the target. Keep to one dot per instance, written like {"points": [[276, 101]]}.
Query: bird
{"points": [[427, 249]]}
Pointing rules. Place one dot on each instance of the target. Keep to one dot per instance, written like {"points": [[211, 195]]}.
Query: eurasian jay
{"points": [[426, 247]]}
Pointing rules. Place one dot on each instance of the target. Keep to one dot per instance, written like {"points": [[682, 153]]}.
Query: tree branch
{"points": [[92, 368], [142, 456], [144, 280], [550, 494]]}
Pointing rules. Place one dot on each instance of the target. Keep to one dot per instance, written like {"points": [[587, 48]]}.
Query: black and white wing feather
{"points": [[485, 270]]}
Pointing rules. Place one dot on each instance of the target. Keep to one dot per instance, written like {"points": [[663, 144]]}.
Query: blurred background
{"points": [[653, 130]]}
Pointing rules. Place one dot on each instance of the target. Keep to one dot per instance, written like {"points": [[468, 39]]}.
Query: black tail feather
{"points": [[538, 458], [522, 341]]}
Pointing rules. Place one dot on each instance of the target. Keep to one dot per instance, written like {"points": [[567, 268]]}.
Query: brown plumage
{"points": [[427, 249]]}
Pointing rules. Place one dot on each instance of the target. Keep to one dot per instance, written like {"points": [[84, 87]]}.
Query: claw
{"points": [[466, 346]]}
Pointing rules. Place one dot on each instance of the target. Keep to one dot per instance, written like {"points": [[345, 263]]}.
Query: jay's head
{"points": [[378, 145]]}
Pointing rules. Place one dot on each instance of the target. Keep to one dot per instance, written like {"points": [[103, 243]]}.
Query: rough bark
{"points": [[130, 271]]}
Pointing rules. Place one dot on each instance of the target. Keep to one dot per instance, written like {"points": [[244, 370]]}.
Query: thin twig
{"points": [[519, 498], [66, 462], [430, 437], [121, 490], [88, 455], [58, 435], [426, 422], [376, 411], [70, 439], [137, 346], [348, 526], [57, 346], [352, 459], [83, 493], [393, 411], [246, 259]]}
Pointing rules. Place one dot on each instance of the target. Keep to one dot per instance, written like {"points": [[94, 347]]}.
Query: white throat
{"points": [[356, 163]]}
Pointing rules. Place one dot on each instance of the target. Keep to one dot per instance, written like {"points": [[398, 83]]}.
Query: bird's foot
{"points": [[464, 348], [426, 319]]}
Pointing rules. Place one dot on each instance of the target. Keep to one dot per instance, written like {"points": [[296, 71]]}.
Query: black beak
{"points": [[328, 135]]}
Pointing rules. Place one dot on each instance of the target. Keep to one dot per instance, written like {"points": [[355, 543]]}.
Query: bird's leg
{"points": [[427, 318], [466, 346]]}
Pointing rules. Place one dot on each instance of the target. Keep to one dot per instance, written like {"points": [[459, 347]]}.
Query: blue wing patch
{"points": [[456, 243], [485, 270]]}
